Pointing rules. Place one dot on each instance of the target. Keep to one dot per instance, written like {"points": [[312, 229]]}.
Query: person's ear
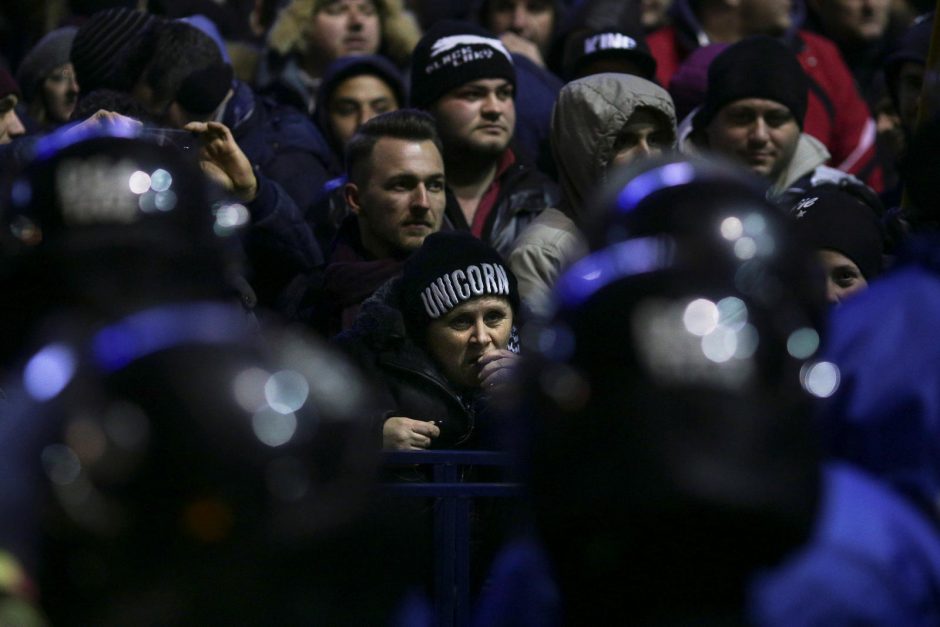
{"points": [[351, 194]]}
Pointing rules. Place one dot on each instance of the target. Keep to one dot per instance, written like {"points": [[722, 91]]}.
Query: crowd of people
{"points": [[679, 258]]}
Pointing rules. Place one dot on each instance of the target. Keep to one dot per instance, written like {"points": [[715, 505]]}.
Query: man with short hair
{"points": [[465, 78], [753, 114], [396, 193]]}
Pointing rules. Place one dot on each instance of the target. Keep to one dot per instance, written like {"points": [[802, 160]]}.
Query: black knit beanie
{"points": [[451, 268], [452, 54], [50, 52], [830, 217], [97, 48], [755, 67]]}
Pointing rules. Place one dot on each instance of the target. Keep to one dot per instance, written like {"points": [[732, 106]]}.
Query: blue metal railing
{"points": [[451, 519]]}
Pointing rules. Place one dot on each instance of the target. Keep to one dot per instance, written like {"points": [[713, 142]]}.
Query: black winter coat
{"points": [[408, 382]]}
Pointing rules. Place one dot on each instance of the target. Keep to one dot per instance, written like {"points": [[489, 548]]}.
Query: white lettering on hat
{"points": [[429, 305], [451, 289], [460, 283], [608, 41], [806, 203], [476, 280], [449, 43]]}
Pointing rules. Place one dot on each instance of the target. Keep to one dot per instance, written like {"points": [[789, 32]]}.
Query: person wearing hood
{"points": [[47, 77], [836, 114], [308, 35], [599, 122], [354, 90]]}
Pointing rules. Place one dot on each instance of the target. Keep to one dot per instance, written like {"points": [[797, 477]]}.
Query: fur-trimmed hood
{"points": [[400, 31]]}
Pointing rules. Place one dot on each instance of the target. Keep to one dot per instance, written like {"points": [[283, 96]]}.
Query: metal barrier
{"points": [[451, 520]]}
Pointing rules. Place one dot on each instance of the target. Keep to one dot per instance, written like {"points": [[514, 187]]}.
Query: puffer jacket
{"points": [[406, 380], [588, 117]]}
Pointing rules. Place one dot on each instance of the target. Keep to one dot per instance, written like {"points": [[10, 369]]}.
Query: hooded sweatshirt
{"points": [[587, 119]]}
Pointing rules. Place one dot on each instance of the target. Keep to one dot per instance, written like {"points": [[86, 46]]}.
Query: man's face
{"points": [[344, 27], [10, 124], [532, 19], [910, 83], [760, 134], [853, 21], [765, 17], [478, 117], [400, 199], [60, 93], [645, 134], [356, 101]]}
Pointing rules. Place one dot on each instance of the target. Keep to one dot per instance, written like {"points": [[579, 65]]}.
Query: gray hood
{"points": [[588, 116]]}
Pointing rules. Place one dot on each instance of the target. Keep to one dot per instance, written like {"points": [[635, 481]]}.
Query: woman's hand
{"points": [[406, 434], [496, 368]]}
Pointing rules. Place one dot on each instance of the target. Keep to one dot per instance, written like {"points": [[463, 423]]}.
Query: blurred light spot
{"points": [[160, 180], [231, 216], [732, 313], [248, 388], [287, 479], [745, 248], [700, 317], [802, 343], [147, 202], [208, 520], [748, 339], [286, 391], [274, 428], [139, 182], [754, 224], [820, 379], [731, 228], [26, 231], [87, 440], [61, 464], [127, 425], [165, 201], [568, 389], [556, 342], [22, 193], [49, 371], [720, 345], [766, 244]]}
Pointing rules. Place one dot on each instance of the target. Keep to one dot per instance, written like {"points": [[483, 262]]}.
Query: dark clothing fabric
{"points": [[351, 276], [407, 381], [885, 419], [283, 144], [282, 254], [536, 92], [524, 193]]}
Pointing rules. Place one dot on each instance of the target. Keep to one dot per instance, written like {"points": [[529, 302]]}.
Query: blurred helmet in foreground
{"points": [[111, 221], [673, 452], [199, 473]]}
